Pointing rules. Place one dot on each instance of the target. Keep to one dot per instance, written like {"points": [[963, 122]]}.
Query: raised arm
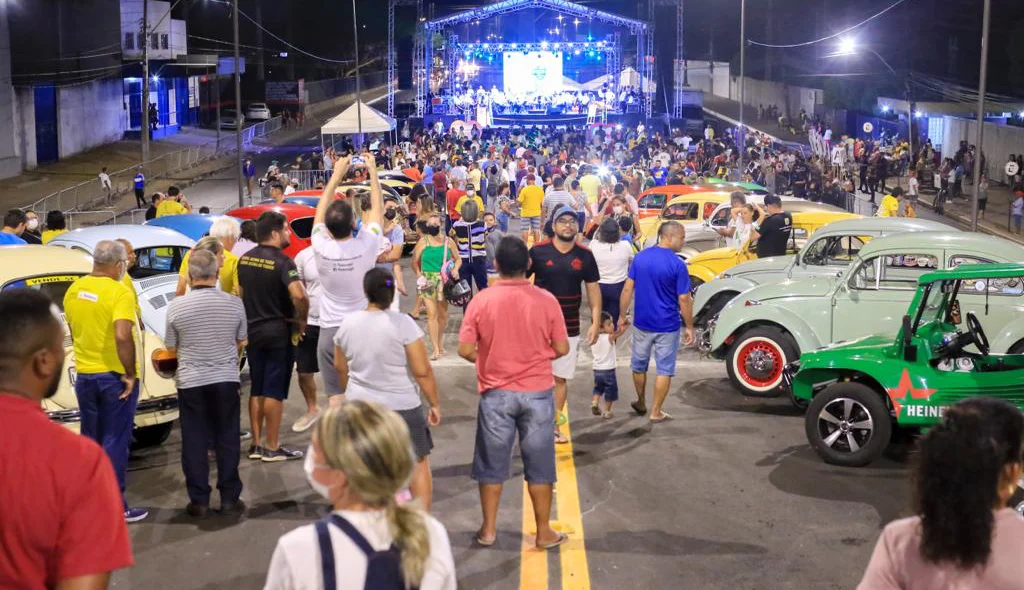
{"points": [[327, 197], [376, 212]]}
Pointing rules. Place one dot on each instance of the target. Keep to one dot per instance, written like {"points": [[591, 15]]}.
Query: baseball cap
{"points": [[562, 211], [470, 187]]}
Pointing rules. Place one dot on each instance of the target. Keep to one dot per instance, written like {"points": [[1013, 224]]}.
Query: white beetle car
{"points": [[158, 253]]}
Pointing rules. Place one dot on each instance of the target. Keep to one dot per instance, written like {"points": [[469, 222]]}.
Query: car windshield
{"points": [[155, 261], [932, 303], [54, 285]]}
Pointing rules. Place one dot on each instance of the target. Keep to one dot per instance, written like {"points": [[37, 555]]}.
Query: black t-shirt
{"points": [[563, 275], [151, 212], [774, 232], [264, 274]]}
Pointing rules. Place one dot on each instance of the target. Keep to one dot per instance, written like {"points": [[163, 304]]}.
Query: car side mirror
{"points": [[909, 350]]}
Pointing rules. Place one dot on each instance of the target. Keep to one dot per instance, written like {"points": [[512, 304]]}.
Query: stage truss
{"points": [[423, 48]]}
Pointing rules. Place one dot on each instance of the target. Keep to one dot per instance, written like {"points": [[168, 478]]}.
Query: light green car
{"points": [[828, 252], [766, 327]]}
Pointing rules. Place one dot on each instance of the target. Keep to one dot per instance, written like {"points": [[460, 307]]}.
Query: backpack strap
{"points": [[323, 537], [351, 532]]}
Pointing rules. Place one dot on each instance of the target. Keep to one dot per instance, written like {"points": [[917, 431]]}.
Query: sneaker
{"points": [[232, 508], [197, 510], [594, 409], [256, 452], [306, 422], [606, 414], [135, 514], [246, 435], [281, 453]]}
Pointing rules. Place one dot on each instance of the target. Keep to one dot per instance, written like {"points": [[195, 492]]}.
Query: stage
{"points": [[535, 119]]}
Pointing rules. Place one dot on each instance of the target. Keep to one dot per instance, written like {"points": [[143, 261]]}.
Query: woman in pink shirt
{"points": [[963, 536]]}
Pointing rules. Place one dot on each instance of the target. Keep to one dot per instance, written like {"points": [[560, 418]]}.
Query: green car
{"points": [[860, 390], [766, 327]]}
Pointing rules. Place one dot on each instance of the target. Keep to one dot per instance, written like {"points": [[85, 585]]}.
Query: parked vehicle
{"points": [[858, 391], [258, 111], [231, 119], [300, 221], [764, 328], [194, 225], [52, 270], [830, 251], [158, 255], [652, 201]]}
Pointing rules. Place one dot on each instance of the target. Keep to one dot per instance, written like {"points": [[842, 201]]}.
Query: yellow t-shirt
{"points": [[474, 178], [889, 207], [590, 184], [476, 199], [531, 198], [92, 304], [49, 234], [228, 272], [170, 207]]}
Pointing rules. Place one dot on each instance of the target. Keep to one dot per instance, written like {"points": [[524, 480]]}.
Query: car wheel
{"points": [[151, 436], [756, 360], [848, 424], [1017, 348]]}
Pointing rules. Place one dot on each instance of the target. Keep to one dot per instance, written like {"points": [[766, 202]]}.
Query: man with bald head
{"points": [[61, 525], [661, 282], [101, 314]]}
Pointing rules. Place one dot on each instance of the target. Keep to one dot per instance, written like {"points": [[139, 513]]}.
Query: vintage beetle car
{"points": [[194, 225], [52, 270], [300, 221], [831, 250], [764, 328], [652, 201], [158, 252], [942, 354]]}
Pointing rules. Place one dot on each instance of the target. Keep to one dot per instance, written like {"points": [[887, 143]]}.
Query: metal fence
{"points": [[91, 193]]}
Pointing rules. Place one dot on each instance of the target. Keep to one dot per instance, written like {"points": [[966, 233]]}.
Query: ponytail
{"points": [[408, 528]]}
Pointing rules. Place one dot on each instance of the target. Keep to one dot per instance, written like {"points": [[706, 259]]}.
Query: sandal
{"points": [[664, 416], [606, 414], [562, 538], [639, 408], [594, 409], [560, 438], [484, 542]]}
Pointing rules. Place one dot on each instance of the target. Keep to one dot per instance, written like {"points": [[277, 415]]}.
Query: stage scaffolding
{"points": [[423, 51], [417, 50]]}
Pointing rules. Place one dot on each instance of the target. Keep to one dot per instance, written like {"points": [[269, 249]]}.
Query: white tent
{"points": [[348, 122], [628, 77]]}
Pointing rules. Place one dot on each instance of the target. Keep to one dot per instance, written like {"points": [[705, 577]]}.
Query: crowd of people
{"points": [[509, 102], [569, 279]]}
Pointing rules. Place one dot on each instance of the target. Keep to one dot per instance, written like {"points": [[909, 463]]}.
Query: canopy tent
{"points": [[348, 122], [628, 77]]}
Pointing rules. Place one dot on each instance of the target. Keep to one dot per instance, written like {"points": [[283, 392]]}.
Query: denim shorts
{"points": [[664, 346], [502, 415], [606, 385]]}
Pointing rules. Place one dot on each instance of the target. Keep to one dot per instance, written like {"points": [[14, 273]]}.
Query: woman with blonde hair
{"points": [[360, 457]]}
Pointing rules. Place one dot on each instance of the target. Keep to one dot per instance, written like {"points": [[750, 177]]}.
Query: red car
{"points": [[300, 220]]}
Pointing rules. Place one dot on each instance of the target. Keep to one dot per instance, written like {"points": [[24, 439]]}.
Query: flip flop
{"points": [[664, 416], [562, 538], [560, 438], [480, 541], [595, 410], [639, 409]]}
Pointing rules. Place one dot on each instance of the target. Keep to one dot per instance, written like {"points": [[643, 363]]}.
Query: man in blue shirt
{"points": [[659, 173], [662, 286], [140, 189], [14, 225]]}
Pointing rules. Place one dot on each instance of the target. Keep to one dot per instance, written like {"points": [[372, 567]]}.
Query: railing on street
{"points": [[76, 219], [91, 192]]}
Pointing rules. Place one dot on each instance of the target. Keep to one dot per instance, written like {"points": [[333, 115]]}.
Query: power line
{"points": [[67, 72], [287, 44], [833, 36]]}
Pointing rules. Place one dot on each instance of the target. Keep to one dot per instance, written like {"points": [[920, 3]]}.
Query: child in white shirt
{"points": [[605, 384]]}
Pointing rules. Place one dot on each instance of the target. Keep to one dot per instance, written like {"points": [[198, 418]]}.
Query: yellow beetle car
{"points": [[52, 270], [692, 210], [707, 265]]}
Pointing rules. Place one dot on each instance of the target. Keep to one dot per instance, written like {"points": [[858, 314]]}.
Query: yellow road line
{"points": [[533, 564], [575, 572]]}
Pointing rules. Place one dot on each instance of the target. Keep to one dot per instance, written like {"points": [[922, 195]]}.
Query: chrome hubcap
{"points": [[845, 425], [760, 364]]}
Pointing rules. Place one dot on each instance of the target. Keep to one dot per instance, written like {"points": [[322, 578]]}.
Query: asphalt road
{"points": [[727, 495]]}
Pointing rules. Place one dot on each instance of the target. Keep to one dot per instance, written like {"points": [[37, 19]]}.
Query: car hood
{"points": [[713, 255], [818, 287], [773, 264], [865, 346]]}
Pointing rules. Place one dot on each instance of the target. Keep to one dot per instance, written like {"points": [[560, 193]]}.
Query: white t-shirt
{"points": [[305, 262], [378, 370], [342, 265], [912, 185], [296, 563], [612, 260], [741, 235], [604, 353]]}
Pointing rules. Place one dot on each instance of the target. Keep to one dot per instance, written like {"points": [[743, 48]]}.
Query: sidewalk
{"points": [[997, 214], [724, 108]]}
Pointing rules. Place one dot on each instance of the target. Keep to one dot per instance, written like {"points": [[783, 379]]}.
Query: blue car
{"points": [[193, 225]]}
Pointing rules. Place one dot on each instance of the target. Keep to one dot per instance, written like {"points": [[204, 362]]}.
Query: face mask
{"points": [[389, 214], [433, 230], [470, 193], [617, 210], [309, 466], [33, 224]]}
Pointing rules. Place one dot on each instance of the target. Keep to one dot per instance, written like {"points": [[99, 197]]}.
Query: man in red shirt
{"points": [[62, 519], [512, 331], [452, 198], [440, 180]]}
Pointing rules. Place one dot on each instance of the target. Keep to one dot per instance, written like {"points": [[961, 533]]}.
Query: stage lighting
{"points": [[602, 171], [918, 114], [618, 127], [885, 108], [543, 44]]}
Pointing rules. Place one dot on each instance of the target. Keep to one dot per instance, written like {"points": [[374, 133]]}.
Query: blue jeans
{"points": [[502, 415], [475, 271], [663, 345], [502, 219], [107, 419], [606, 385]]}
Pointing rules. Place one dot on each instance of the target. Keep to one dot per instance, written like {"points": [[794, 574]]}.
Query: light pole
{"points": [[359, 108], [145, 82], [743, 62], [980, 131], [238, 109]]}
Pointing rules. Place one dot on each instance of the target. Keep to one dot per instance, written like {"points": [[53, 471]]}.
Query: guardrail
{"points": [[122, 182]]}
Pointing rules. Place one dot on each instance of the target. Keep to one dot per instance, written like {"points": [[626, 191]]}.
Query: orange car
{"points": [[653, 200]]}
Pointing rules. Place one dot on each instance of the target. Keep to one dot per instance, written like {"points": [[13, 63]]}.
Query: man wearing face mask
{"points": [[101, 314], [62, 525], [343, 260], [561, 266], [32, 235]]}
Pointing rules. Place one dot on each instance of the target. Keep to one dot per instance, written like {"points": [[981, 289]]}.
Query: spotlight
{"points": [[602, 171], [1021, 114], [847, 46], [618, 127], [543, 44], [577, 52], [156, 78], [918, 114], [885, 108]]}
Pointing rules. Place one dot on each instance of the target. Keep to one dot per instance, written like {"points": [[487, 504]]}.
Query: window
{"points": [[154, 41], [681, 212], [163, 41], [1013, 286], [653, 201], [709, 208], [303, 227], [892, 272], [156, 261], [129, 41], [140, 40], [838, 251], [54, 286]]}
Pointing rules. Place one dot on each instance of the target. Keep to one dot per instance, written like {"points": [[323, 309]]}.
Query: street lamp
{"points": [[743, 62]]}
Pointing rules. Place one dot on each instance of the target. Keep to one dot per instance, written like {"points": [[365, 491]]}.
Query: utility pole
{"points": [[260, 72], [980, 122], [740, 135], [238, 110], [359, 109], [145, 82]]}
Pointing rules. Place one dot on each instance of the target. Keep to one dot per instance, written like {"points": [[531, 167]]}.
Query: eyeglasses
{"points": [[567, 221]]}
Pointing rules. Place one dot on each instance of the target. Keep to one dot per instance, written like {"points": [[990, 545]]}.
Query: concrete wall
{"points": [[702, 76], [25, 127], [790, 99], [90, 115], [10, 164], [998, 143]]}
